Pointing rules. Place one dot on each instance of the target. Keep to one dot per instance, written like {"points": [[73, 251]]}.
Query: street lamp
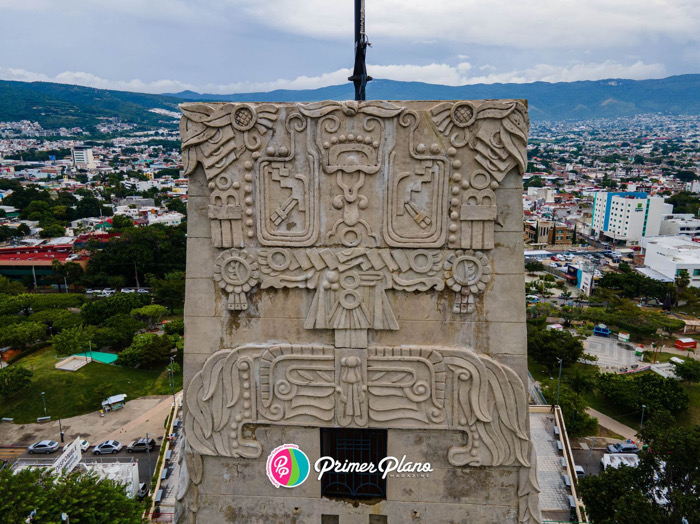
{"points": [[559, 381], [43, 401], [641, 424]]}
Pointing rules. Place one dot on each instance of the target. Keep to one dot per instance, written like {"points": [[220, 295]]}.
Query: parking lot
{"points": [[612, 354]]}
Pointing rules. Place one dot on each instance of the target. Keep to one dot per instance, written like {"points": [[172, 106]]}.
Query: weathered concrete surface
{"points": [[356, 265]]}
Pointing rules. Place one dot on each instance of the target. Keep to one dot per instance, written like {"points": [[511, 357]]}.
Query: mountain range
{"points": [[60, 105]]}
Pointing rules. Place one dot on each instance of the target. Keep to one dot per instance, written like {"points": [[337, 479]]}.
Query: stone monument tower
{"points": [[355, 345]]}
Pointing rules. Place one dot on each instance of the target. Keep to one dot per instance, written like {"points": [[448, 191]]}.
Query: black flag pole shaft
{"points": [[359, 74]]}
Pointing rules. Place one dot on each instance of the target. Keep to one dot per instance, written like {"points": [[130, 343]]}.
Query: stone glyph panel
{"points": [[356, 264], [352, 200]]}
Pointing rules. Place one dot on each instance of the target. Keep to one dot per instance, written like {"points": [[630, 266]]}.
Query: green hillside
{"points": [[61, 105]]}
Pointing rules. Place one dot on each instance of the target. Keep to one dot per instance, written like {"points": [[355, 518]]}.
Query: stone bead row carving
{"points": [[393, 387], [272, 169]]}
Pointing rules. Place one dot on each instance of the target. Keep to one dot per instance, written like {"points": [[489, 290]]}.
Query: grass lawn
{"points": [[599, 402], [74, 393]]}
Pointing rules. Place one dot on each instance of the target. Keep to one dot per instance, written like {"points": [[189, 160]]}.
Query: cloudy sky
{"points": [[228, 46]]}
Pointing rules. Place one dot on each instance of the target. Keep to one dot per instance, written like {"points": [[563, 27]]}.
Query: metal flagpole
{"points": [[359, 74]]}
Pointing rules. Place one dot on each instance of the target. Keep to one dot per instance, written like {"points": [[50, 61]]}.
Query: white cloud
{"points": [[90, 80], [591, 71], [433, 74], [540, 23]]}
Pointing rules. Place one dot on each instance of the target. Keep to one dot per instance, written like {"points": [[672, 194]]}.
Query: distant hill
{"points": [[547, 101], [61, 105]]}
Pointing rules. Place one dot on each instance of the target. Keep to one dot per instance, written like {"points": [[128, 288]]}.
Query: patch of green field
{"points": [[68, 394]]}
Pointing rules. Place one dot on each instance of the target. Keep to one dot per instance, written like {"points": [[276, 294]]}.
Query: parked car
{"points": [[532, 298], [128, 290], [623, 447], [142, 493], [143, 291], [141, 444], [45, 446], [580, 472], [91, 291], [109, 446], [84, 445]]}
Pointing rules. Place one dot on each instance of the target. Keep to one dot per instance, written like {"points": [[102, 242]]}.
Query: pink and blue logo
{"points": [[287, 466]]}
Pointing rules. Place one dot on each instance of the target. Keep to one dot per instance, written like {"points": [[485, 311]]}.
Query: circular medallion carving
{"points": [[467, 272], [236, 271], [243, 117], [463, 114]]}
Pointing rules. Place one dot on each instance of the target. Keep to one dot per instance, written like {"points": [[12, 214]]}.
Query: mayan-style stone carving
{"points": [[355, 265]]}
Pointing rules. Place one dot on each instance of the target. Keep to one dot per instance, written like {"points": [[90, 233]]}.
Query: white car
{"points": [[128, 290], [143, 291], [84, 445]]}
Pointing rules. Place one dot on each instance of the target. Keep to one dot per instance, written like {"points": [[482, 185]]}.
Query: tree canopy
{"points": [[662, 489], [548, 345], [84, 498]]}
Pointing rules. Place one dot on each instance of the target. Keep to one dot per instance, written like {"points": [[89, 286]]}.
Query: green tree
{"points": [[668, 472], [14, 379], [147, 350], [11, 287], [175, 204], [20, 335], [96, 312], [22, 230], [73, 340], [169, 291], [547, 346], [56, 319], [650, 389], [175, 327], [154, 250], [54, 230], [534, 266], [689, 370], [117, 332], [151, 314], [121, 222], [84, 498]]}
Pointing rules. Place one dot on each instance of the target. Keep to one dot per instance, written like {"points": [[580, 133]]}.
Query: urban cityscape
{"points": [[471, 294]]}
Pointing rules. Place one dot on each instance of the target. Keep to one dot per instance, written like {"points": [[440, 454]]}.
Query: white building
{"points": [[627, 217], [172, 218], [680, 224], [82, 157], [670, 255]]}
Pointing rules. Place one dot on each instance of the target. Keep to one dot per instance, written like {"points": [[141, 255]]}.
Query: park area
{"points": [[580, 380], [73, 393]]}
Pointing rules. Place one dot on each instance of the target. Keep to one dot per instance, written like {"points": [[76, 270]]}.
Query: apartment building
{"points": [[626, 217]]}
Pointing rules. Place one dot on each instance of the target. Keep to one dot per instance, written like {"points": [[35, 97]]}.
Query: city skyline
{"points": [[245, 46]]}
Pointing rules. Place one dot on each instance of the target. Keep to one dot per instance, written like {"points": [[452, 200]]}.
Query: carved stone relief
{"points": [[297, 176], [392, 387], [353, 204]]}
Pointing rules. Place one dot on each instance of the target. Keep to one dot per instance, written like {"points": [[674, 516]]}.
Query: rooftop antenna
{"points": [[359, 74]]}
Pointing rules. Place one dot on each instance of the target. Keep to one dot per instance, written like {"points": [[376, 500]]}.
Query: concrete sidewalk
{"points": [[612, 425], [138, 417]]}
